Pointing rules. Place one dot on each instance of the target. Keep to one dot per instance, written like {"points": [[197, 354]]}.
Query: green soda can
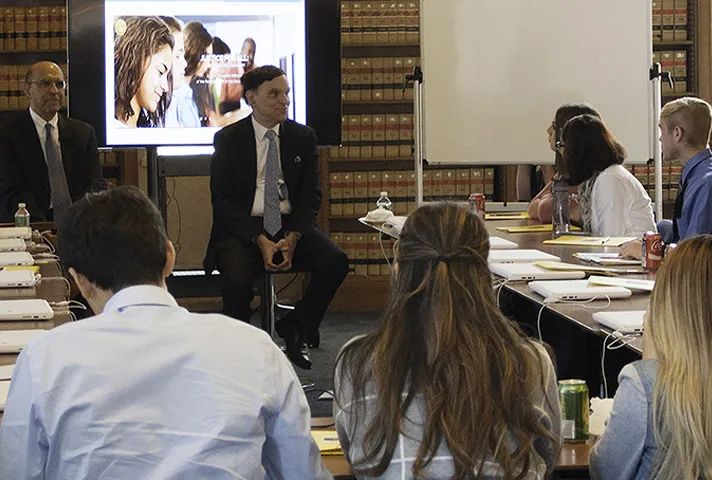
{"points": [[573, 396]]}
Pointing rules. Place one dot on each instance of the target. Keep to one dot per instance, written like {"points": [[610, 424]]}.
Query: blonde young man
{"points": [[685, 127]]}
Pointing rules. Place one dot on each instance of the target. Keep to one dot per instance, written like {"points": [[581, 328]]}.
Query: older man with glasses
{"points": [[47, 161]]}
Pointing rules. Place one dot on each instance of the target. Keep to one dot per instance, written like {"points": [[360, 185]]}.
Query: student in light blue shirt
{"points": [[146, 389], [659, 424], [685, 127]]}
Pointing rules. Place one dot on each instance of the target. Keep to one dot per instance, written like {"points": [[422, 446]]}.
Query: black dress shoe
{"points": [[296, 349], [313, 339]]}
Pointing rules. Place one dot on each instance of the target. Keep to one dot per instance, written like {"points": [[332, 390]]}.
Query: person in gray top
{"points": [[447, 387], [661, 422]]}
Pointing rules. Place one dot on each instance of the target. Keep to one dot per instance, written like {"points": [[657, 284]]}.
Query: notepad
{"points": [[31, 268], [6, 371], [577, 241], [629, 283], [4, 390], [546, 227], [605, 258], [507, 216], [327, 441], [586, 268]]}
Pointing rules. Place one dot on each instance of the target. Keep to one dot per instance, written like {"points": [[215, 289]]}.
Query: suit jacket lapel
{"points": [[249, 159], [286, 156], [67, 147], [33, 153]]}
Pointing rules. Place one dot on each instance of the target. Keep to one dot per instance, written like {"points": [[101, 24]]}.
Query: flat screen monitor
{"points": [[159, 72]]}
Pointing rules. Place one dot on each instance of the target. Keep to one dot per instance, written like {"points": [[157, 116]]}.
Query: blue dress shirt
{"points": [[696, 216], [147, 390]]}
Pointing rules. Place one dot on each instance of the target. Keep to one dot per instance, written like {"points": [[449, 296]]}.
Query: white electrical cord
{"points": [[624, 340], [383, 250]]}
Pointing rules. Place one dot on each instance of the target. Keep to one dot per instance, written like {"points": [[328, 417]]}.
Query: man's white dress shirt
{"points": [[40, 124], [258, 204], [149, 391]]}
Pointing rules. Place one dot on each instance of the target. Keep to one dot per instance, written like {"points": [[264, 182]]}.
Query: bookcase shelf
{"points": [[377, 102], [673, 43]]}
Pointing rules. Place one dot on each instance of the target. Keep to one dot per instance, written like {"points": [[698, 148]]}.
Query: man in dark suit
{"points": [[264, 181], [47, 161]]}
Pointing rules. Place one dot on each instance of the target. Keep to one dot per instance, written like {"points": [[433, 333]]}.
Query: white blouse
{"points": [[620, 206]]}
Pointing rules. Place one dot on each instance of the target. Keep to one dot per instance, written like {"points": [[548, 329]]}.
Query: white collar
{"points": [[261, 130], [41, 122], [140, 295]]}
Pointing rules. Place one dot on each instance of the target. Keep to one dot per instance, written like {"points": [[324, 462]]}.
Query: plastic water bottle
{"points": [[384, 202], [560, 218], [22, 216]]}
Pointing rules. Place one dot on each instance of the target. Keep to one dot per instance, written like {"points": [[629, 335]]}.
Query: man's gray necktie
{"points": [[272, 218], [61, 200]]}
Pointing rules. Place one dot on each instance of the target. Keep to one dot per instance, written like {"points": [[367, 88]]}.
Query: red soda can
{"points": [[652, 250], [477, 204]]}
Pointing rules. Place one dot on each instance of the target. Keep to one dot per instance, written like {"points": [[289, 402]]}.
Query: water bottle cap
{"points": [[384, 194], [21, 205]]}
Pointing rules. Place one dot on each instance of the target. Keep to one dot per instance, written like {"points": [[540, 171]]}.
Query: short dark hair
{"points": [[254, 78], [115, 238], [589, 148]]}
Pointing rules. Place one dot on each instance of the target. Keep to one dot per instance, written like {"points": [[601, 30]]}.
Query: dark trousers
{"points": [[241, 265]]}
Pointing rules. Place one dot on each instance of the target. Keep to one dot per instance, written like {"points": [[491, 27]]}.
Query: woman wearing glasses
{"points": [[143, 57], [660, 426], [540, 207], [447, 387], [611, 200]]}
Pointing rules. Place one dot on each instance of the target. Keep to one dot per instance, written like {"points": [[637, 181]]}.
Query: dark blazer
{"points": [[23, 170], [233, 178]]}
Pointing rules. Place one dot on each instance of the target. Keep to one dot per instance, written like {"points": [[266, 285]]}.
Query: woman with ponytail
{"points": [[661, 423], [447, 387]]}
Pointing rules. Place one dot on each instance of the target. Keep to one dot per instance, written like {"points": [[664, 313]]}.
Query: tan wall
{"points": [[190, 218]]}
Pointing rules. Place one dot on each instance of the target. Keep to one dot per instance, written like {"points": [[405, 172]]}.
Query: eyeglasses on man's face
{"points": [[46, 84]]}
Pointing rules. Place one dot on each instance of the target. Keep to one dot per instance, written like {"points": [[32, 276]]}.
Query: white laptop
{"points": [[558, 290], [25, 309], [17, 278], [519, 256], [13, 341], [16, 232], [12, 245], [15, 258], [497, 243], [6, 371], [4, 390], [623, 322], [516, 272]]}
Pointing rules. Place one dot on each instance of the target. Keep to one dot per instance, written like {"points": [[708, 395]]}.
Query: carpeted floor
{"points": [[336, 329]]}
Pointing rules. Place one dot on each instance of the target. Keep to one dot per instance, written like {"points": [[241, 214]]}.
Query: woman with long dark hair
{"points": [[198, 44], [143, 51], [447, 387], [541, 206], [611, 200]]}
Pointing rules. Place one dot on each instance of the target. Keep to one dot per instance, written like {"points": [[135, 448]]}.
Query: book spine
{"points": [[366, 136], [31, 27], [379, 136], [9, 28], [392, 135], [680, 20], [336, 194], [374, 255], [347, 192], [680, 70], [405, 135], [366, 83]]}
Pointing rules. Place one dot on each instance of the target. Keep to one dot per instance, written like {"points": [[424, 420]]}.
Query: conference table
{"points": [[574, 457]]}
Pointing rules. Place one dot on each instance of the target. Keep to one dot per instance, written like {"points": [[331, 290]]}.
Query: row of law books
{"points": [[670, 20], [33, 28], [369, 254], [671, 179], [12, 80], [355, 193], [375, 136], [377, 22], [375, 79], [674, 62]]}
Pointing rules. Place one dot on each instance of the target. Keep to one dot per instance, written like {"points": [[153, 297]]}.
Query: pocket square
{"points": [[297, 159]]}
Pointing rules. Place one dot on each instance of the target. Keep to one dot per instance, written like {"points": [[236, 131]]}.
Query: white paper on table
{"points": [[6, 371]]}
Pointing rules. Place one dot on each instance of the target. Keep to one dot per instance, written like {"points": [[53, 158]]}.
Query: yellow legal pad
{"points": [[32, 268], [507, 216], [546, 227], [327, 441], [576, 241], [545, 264]]}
